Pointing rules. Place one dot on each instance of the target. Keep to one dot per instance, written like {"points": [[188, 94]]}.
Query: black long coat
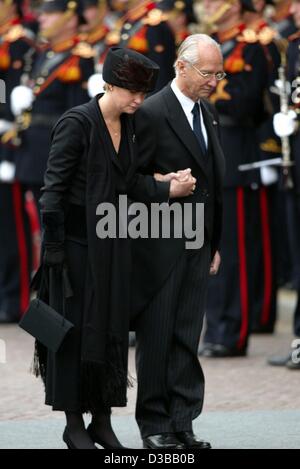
{"points": [[83, 170]]}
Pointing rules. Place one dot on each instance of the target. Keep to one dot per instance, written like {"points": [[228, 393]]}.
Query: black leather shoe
{"points": [[96, 439], [292, 365], [190, 440], [220, 351], [280, 360], [9, 318], [161, 441], [68, 440]]}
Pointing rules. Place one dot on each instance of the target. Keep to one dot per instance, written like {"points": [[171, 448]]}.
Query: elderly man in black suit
{"points": [[177, 128]]}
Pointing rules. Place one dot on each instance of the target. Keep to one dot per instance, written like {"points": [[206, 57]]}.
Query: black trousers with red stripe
{"points": [[262, 254], [15, 251], [243, 289]]}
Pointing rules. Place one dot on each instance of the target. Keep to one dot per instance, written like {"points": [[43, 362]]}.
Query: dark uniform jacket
{"points": [[13, 46], [239, 102], [293, 74], [58, 79]]}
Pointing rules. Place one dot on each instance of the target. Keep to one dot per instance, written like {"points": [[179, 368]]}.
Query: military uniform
{"points": [[239, 101], [58, 79], [264, 304], [96, 35], [293, 197], [15, 233], [144, 29], [282, 21]]}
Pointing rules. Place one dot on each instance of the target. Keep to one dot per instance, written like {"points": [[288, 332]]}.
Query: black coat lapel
{"points": [[212, 131], [98, 119], [179, 123]]}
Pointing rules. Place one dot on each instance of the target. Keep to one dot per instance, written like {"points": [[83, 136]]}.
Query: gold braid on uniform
{"points": [[72, 5], [210, 21]]}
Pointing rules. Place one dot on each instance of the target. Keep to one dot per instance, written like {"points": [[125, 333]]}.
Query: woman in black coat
{"points": [[92, 161]]}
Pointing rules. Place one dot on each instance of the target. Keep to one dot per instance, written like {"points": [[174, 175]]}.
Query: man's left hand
{"points": [[215, 265]]}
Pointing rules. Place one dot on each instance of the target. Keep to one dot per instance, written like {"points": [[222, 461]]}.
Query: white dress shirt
{"points": [[187, 105]]}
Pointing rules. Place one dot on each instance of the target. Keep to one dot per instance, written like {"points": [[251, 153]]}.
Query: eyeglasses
{"points": [[208, 75]]}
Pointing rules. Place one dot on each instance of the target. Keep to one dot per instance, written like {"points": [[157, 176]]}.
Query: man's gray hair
{"points": [[189, 49]]}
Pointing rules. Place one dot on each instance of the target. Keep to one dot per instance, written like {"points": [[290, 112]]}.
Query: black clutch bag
{"points": [[45, 324]]}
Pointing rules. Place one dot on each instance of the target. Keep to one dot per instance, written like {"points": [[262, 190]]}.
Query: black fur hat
{"points": [[130, 70]]}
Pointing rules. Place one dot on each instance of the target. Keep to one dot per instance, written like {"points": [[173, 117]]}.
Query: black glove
{"points": [[53, 237], [54, 255]]}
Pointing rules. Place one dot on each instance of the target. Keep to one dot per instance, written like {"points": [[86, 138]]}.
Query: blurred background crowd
{"points": [[51, 56]]}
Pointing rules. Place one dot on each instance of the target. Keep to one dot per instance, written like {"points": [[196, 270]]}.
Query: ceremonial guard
{"points": [[94, 32], [144, 29], [286, 125], [179, 15], [281, 19], [54, 80], [239, 101], [264, 304], [15, 41]]}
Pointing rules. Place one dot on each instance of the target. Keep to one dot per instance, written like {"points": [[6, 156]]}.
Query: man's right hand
{"points": [[182, 188]]}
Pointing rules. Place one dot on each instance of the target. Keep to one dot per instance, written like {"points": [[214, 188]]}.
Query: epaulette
{"points": [[294, 36], [154, 17], [249, 36], [220, 93], [84, 50], [266, 35], [16, 32], [271, 146]]}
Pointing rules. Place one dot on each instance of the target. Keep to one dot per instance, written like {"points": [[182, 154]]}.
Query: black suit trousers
{"points": [[170, 377]]}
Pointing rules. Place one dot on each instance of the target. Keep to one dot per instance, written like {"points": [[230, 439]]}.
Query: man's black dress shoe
{"points": [[96, 439], [280, 360], [192, 441], [9, 318], [162, 441], [292, 365], [220, 351]]}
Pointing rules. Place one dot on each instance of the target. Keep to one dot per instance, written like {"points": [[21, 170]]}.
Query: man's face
{"points": [[48, 20], [259, 5], [91, 14], [295, 11], [210, 62], [212, 7]]}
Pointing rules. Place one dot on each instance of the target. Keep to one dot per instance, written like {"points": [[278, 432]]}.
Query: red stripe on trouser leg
{"points": [[242, 268], [267, 256], [22, 247]]}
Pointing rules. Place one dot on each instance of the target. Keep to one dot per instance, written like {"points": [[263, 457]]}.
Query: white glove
{"points": [[95, 85], [7, 171], [268, 175], [285, 124], [5, 126], [21, 98]]}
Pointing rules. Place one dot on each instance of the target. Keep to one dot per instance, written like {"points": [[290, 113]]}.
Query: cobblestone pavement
{"points": [[237, 384]]}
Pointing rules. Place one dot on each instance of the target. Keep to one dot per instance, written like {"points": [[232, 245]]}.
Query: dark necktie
{"points": [[197, 128]]}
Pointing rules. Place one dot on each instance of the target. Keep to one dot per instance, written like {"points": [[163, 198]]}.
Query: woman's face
{"points": [[127, 101]]}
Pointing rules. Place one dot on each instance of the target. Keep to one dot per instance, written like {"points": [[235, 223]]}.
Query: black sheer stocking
{"points": [[75, 434], [102, 430]]}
